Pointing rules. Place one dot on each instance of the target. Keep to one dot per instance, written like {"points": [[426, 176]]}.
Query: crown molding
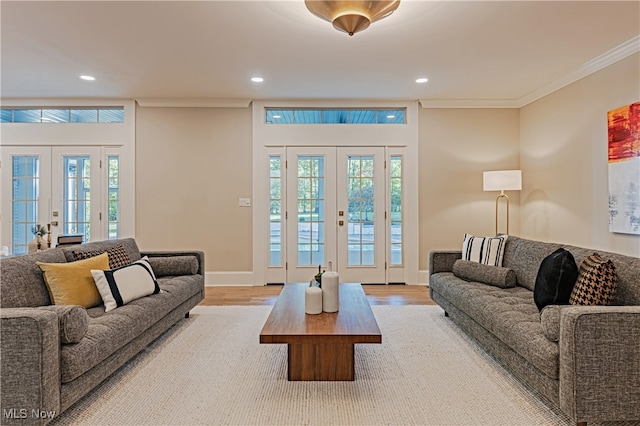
{"points": [[598, 63], [468, 103], [193, 103], [610, 57]]}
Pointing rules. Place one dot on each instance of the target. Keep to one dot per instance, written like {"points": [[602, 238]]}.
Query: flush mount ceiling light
{"points": [[257, 79], [87, 77], [351, 16]]}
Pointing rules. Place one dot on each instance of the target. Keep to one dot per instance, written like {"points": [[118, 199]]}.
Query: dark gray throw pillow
{"points": [[556, 277], [174, 265], [487, 274]]}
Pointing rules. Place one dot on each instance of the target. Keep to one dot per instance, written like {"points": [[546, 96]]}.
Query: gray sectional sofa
{"points": [[592, 373], [51, 356]]}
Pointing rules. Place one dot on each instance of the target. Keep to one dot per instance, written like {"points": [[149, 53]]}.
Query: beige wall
{"points": [[563, 145], [455, 147], [192, 166]]}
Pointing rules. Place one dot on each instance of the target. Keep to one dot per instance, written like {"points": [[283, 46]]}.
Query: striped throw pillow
{"points": [[120, 286], [485, 250]]}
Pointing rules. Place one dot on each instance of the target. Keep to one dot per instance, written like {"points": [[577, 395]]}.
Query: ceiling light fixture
{"points": [[257, 79], [351, 16], [87, 77], [422, 80]]}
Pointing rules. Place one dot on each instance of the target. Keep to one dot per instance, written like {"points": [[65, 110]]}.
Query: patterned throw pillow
{"points": [[120, 286], [597, 282], [485, 250], [117, 256]]}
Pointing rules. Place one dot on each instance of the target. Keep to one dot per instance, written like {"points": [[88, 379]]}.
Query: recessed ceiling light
{"points": [[422, 80], [87, 77], [257, 79]]}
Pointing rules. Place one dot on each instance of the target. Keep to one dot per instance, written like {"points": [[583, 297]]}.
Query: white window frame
{"points": [[112, 138], [267, 138]]}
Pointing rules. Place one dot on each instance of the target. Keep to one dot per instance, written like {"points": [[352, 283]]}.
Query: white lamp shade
{"points": [[502, 180]]}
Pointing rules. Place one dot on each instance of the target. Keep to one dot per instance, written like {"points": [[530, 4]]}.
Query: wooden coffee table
{"points": [[321, 347]]}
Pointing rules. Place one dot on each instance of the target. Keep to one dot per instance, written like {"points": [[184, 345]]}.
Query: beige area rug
{"points": [[211, 370]]}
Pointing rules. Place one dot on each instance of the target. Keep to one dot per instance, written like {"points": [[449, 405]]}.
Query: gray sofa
{"points": [[592, 373], [42, 374]]}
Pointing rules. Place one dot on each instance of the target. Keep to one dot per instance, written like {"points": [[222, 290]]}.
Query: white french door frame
{"points": [[269, 139], [376, 272], [327, 232], [44, 188], [51, 176], [96, 190]]}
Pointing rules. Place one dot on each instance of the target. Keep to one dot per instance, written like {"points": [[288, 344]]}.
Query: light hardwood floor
{"points": [[267, 295]]}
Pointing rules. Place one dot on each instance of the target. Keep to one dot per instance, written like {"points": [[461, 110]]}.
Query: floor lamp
{"points": [[502, 180]]}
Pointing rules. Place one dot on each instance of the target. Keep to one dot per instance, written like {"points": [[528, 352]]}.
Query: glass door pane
{"points": [[76, 199], [310, 212], [26, 196], [361, 217], [275, 210], [310, 216], [24, 199], [113, 197], [361, 238], [83, 192], [395, 199]]}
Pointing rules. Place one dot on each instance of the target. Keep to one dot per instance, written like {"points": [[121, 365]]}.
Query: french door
{"points": [[336, 207], [65, 187]]}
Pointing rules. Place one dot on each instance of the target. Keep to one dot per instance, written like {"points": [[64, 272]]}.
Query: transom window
{"points": [[335, 116], [62, 115]]}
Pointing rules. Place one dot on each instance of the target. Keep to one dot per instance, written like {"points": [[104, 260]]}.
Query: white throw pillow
{"points": [[485, 250], [120, 286]]}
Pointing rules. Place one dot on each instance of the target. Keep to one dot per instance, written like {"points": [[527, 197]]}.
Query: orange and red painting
{"points": [[624, 169]]}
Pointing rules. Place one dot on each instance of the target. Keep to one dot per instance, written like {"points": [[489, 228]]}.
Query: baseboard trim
{"points": [[423, 277], [244, 278]]}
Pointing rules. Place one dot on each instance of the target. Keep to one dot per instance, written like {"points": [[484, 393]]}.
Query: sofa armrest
{"points": [[198, 254], [30, 364], [443, 260], [600, 362]]}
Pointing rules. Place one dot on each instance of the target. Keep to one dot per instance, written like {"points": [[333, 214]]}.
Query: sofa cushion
{"points": [[110, 331], [174, 265], [21, 280], [120, 286], [486, 274], [597, 282], [117, 256], [550, 321], [555, 280], [525, 257], [73, 322], [71, 283], [509, 314], [485, 250]]}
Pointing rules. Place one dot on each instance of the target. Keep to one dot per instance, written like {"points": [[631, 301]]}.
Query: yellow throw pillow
{"points": [[71, 283]]}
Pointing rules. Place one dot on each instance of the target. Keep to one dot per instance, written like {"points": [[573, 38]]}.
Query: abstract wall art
{"points": [[624, 169]]}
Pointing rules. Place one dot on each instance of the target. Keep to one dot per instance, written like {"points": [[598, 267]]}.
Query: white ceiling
{"points": [[471, 51]]}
